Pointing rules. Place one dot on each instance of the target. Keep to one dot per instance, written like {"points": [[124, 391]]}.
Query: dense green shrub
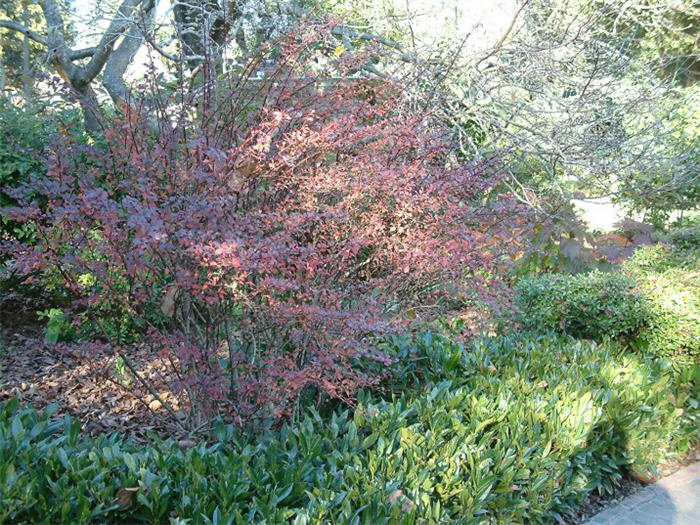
{"points": [[514, 429], [653, 302], [687, 238], [24, 135], [685, 235], [670, 282], [594, 305], [19, 136]]}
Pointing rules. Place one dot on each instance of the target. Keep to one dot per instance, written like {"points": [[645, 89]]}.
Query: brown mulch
{"points": [[597, 502], [84, 387]]}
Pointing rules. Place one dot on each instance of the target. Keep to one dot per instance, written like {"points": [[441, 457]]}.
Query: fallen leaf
{"points": [[125, 497], [643, 477], [184, 444], [167, 306], [394, 496], [408, 505]]}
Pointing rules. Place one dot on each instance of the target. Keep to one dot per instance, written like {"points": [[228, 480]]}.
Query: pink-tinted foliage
{"points": [[264, 229]]}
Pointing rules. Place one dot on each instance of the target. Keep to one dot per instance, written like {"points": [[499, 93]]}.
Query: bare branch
{"points": [[79, 54], [121, 22], [14, 26], [120, 59], [55, 40], [510, 27]]}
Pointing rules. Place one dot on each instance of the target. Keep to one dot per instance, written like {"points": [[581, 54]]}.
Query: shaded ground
{"points": [[631, 492], [673, 500], [41, 374]]}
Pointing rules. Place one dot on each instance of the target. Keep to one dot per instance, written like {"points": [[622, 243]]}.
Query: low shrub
{"points": [[58, 327], [652, 302], [594, 305], [260, 243], [514, 429], [670, 282], [686, 238], [684, 234]]}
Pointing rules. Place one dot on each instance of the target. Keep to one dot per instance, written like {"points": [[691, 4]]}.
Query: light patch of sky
{"points": [[445, 21], [431, 21]]}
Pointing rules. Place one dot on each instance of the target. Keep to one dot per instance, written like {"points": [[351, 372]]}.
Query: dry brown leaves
{"points": [[38, 374]]}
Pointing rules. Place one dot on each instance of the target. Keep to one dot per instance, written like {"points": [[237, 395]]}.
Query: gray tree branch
{"points": [[122, 56], [14, 26], [122, 21]]}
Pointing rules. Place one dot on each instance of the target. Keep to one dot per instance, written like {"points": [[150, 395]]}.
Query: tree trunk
{"points": [[26, 71], [92, 114]]}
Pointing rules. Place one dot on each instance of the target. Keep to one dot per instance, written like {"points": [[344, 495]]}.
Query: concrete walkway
{"points": [[674, 500]]}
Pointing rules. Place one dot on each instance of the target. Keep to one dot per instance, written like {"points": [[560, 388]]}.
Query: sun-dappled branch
{"points": [[15, 26], [122, 21], [130, 20]]}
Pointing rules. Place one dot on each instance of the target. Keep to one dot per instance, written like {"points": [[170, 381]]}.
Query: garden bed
{"points": [[515, 428]]}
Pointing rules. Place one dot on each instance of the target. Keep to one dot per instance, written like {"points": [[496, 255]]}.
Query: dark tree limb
{"points": [[79, 54], [14, 26]]}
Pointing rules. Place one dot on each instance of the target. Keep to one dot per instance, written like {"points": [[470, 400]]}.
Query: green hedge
{"points": [[22, 137], [685, 234], [514, 429], [670, 282], [593, 305], [687, 238], [652, 302]]}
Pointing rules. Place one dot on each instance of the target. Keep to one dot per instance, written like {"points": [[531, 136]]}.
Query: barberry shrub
{"points": [[259, 229]]}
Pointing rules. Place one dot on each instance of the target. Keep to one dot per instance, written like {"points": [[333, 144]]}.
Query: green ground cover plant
{"points": [[593, 305], [512, 429]]}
